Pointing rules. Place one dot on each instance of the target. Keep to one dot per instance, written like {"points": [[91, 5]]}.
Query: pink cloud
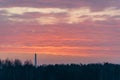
{"points": [[87, 29]]}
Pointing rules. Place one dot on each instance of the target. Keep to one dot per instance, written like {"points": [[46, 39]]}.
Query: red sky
{"points": [[60, 31]]}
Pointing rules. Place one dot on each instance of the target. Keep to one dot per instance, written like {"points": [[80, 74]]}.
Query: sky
{"points": [[60, 31]]}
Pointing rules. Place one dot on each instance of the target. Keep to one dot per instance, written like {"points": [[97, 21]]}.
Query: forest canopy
{"points": [[16, 70]]}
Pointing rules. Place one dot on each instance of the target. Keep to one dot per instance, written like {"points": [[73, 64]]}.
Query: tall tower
{"points": [[35, 60]]}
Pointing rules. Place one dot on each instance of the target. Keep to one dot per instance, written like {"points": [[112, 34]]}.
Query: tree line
{"points": [[16, 70]]}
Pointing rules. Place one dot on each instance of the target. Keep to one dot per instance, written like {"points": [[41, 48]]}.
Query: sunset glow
{"points": [[81, 29]]}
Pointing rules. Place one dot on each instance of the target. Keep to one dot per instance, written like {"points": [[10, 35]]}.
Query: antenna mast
{"points": [[35, 60]]}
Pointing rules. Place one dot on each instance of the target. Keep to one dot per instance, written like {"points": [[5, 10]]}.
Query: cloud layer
{"points": [[83, 28]]}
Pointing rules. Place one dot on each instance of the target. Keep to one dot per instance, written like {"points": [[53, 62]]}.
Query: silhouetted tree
{"points": [[15, 70]]}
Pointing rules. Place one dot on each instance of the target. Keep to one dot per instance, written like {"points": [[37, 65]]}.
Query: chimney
{"points": [[35, 60]]}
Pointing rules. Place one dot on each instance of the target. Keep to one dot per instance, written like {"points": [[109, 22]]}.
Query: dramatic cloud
{"points": [[80, 28], [94, 4]]}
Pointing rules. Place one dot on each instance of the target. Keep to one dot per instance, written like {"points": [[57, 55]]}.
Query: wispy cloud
{"points": [[84, 28], [50, 15]]}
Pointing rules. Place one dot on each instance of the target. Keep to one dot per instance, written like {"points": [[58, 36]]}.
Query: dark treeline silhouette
{"points": [[15, 70]]}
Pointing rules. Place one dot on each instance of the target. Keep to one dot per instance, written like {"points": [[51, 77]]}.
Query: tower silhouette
{"points": [[35, 60]]}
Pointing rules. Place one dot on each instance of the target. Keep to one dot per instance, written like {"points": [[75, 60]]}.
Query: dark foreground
{"points": [[15, 70]]}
